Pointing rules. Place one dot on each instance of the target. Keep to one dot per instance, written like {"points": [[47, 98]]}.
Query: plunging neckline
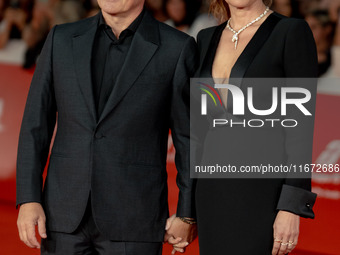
{"points": [[243, 53], [243, 62]]}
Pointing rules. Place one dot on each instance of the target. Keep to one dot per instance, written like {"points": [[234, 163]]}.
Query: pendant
{"points": [[235, 40]]}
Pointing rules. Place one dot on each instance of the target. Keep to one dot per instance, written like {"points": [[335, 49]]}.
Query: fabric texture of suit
{"points": [[121, 158], [237, 215]]}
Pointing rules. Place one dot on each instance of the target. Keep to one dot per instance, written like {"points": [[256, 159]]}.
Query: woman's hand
{"points": [[179, 234], [286, 232]]}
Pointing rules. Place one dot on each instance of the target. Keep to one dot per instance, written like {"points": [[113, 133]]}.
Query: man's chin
{"points": [[116, 7], [112, 10]]}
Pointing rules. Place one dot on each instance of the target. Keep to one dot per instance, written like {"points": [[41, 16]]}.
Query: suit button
{"points": [[308, 205], [98, 135]]}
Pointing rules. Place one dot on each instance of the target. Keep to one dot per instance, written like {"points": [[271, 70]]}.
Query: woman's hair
{"points": [[220, 9]]}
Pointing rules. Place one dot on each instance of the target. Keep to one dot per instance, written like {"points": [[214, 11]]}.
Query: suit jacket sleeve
{"points": [[180, 127], [300, 61], [199, 124], [36, 129]]}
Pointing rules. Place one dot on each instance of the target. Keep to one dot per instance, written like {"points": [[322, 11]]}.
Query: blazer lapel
{"points": [[242, 64], [208, 51], [253, 47], [143, 46], [82, 53]]}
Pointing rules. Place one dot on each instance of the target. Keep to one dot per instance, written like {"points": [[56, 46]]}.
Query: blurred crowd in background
{"points": [[30, 21]]}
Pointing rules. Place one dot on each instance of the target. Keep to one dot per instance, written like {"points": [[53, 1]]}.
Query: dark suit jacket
{"points": [[121, 158], [281, 48]]}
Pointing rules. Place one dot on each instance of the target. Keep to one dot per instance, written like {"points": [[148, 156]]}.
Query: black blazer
{"points": [[281, 48], [121, 158]]}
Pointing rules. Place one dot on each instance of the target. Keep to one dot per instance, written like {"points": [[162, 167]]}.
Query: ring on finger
{"points": [[177, 247], [284, 243], [277, 240]]}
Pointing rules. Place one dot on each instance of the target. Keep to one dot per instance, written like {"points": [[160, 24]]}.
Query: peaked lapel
{"points": [[143, 46], [253, 47], [238, 71], [82, 53], [242, 64], [209, 47]]}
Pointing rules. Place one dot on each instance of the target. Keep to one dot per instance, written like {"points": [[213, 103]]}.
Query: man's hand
{"points": [[30, 215], [179, 234], [286, 232]]}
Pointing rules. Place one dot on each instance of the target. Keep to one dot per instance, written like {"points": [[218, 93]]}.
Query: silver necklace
{"points": [[236, 33]]}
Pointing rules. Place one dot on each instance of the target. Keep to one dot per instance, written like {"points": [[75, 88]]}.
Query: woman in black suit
{"points": [[255, 216]]}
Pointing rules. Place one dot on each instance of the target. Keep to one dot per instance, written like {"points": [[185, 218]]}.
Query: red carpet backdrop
{"points": [[320, 236]]}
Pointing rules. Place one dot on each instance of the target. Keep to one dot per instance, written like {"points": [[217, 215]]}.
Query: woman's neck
{"points": [[242, 16]]}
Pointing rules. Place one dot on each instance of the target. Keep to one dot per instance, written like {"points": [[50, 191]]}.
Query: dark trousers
{"points": [[87, 240]]}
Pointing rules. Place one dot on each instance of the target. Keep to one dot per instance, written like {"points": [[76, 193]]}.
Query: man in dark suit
{"points": [[116, 83]]}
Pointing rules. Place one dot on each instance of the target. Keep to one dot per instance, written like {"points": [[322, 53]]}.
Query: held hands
{"points": [[286, 232], [179, 234], [30, 215]]}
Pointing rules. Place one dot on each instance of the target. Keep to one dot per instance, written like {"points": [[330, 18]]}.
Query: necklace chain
{"points": [[236, 33]]}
